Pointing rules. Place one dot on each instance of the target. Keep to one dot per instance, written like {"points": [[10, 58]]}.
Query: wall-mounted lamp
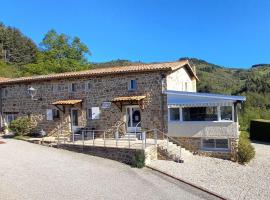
{"points": [[32, 92]]}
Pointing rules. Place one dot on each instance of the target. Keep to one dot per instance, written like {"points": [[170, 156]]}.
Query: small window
{"points": [[93, 113], [215, 144], [56, 114], [73, 87], [132, 85], [6, 92], [10, 118], [174, 114], [226, 113], [186, 86], [88, 86]]}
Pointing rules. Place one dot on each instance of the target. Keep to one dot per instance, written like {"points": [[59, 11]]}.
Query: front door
{"points": [[133, 114], [74, 120]]}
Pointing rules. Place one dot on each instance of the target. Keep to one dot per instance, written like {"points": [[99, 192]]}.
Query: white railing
{"points": [[89, 137]]}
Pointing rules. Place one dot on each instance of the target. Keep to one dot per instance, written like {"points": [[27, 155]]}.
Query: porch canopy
{"points": [[129, 100], [195, 99], [65, 102]]}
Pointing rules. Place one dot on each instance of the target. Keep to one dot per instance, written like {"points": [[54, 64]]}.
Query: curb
{"points": [[189, 183]]}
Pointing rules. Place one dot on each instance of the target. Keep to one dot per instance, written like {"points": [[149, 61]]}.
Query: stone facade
{"points": [[15, 99]]}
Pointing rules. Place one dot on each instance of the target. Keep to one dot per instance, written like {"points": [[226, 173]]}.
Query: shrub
{"points": [[21, 126], [138, 159], [245, 150]]}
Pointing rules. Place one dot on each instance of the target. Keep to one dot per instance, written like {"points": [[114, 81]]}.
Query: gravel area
{"points": [[35, 172], [229, 179]]}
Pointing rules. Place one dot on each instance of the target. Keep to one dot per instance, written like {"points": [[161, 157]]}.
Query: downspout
{"points": [[162, 96], [1, 108]]}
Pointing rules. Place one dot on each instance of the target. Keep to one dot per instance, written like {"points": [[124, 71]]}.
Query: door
{"points": [[133, 114], [74, 120]]}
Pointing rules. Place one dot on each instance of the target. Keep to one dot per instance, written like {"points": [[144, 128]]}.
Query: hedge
{"points": [[260, 130]]}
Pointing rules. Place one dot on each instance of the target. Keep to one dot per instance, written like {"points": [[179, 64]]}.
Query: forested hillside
{"points": [[20, 56]]}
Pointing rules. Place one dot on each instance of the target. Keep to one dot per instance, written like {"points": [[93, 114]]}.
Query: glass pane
{"points": [[200, 114], [226, 112], [174, 114], [222, 143], [208, 143], [128, 117], [75, 117], [136, 117]]}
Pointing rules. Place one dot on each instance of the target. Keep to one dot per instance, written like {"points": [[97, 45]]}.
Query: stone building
{"points": [[147, 96]]}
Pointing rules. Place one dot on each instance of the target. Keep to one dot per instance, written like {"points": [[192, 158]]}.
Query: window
{"points": [[55, 114], [226, 113], [6, 92], [186, 86], [73, 87], [200, 114], [132, 85], [93, 113], [215, 144], [174, 114], [10, 118], [88, 86]]}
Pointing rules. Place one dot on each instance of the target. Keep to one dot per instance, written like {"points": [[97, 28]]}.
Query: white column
{"points": [[181, 113], [219, 113]]}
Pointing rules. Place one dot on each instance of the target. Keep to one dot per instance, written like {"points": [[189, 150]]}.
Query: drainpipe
{"points": [[1, 108], [162, 96]]}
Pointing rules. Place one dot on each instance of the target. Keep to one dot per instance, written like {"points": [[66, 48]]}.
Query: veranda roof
{"points": [[67, 102], [129, 100], [195, 99]]}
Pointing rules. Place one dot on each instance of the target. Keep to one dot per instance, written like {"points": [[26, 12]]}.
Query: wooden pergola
{"points": [[129, 100]]}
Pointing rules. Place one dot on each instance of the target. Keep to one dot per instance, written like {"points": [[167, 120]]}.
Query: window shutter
{"points": [[95, 112], [49, 113]]}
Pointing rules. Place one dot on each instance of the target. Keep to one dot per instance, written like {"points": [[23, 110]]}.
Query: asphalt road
{"points": [[30, 171]]}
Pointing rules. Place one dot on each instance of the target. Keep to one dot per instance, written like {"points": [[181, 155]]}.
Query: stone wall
{"points": [[123, 155], [193, 144], [102, 88]]}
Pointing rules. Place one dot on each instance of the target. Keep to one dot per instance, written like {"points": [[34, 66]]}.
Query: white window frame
{"points": [[130, 83], [218, 115], [214, 148], [169, 114]]}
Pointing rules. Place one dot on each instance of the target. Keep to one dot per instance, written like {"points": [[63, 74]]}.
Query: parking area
{"points": [[30, 171]]}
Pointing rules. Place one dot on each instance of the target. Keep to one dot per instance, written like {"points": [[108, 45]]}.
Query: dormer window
{"points": [[132, 85]]}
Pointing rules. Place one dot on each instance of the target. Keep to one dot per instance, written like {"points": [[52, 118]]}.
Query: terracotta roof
{"points": [[3, 78], [168, 66], [128, 98], [67, 102]]}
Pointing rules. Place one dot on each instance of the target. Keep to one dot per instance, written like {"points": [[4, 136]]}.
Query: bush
{"points": [[138, 160], [21, 126], [245, 150]]}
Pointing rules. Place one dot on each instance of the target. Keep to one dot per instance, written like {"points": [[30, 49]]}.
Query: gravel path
{"points": [[229, 179], [30, 171]]}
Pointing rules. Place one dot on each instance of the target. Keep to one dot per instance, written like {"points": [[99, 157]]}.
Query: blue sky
{"points": [[226, 32]]}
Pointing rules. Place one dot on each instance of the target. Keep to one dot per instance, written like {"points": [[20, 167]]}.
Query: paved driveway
{"points": [[30, 171]]}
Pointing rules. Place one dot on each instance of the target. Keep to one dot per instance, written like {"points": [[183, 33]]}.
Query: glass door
{"points": [[133, 115]]}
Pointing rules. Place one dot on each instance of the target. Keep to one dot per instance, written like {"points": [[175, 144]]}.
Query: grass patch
{"points": [[21, 137], [138, 159]]}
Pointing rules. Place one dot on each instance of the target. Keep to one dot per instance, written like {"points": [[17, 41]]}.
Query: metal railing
{"points": [[105, 138]]}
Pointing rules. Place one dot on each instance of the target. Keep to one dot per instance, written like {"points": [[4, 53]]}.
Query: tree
{"points": [[59, 53], [15, 48]]}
